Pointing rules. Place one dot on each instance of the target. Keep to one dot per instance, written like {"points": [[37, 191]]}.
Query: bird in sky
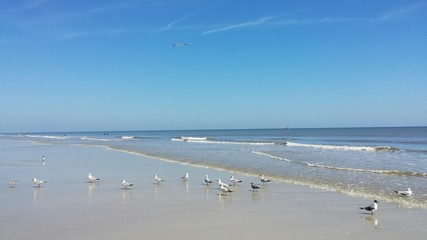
{"points": [[180, 44]]}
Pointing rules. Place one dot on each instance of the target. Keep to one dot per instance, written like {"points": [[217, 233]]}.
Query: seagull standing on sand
{"points": [[263, 180], [404, 193], [43, 161], [254, 187], [225, 190], [12, 183], [157, 179], [371, 208], [92, 178], [126, 184], [234, 180], [222, 184], [207, 180], [185, 177], [38, 182]]}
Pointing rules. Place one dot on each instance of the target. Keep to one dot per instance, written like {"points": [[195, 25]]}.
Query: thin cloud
{"points": [[278, 21], [172, 24], [257, 22]]}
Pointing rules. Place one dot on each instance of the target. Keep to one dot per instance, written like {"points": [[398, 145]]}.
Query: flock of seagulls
{"points": [[223, 187]]}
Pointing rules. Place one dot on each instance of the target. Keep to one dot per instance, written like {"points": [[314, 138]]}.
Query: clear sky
{"points": [[109, 64]]}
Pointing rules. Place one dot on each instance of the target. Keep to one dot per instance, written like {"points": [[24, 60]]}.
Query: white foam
{"points": [[94, 139], [332, 147], [47, 136]]}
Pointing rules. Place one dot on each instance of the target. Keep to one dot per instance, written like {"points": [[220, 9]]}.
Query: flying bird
{"points": [[263, 180], [234, 180], [404, 193], [38, 182], [207, 180], [126, 184], [181, 44], [92, 178], [371, 208], [185, 177], [254, 187]]}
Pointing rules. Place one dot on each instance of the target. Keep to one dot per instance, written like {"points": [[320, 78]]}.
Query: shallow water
{"points": [[370, 162]]}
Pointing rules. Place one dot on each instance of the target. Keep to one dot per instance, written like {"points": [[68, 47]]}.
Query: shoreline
{"points": [[68, 207]]}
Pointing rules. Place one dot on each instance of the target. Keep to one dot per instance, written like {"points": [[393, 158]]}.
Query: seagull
{"points": [[12, 183], [180, 44], [126, 184], [222, 184], [263, 180], [371, 208], [43, 161], [404, 193], [185, 177], [92, 178], [254, 187], [207, 180], [225, 190], [157, 179], [234, 181], [38, 182]]}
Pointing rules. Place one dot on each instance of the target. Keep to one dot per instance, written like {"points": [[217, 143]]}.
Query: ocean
{"points": [[363, 162]]}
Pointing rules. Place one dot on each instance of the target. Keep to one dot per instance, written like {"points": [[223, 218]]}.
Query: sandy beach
{"points": [[68, 207]]}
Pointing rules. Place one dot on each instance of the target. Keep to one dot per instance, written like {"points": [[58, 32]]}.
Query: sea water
{"points": [[367, 162]]}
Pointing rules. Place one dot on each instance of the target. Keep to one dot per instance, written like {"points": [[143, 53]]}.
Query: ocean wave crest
{"points": [[47, 136], [95, 139], [346, 148], [211, 140], [376, 171]]}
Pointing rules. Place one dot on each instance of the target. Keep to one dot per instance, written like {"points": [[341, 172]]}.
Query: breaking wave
{"points": [[211, 140], [376, 171], [347, 148]]}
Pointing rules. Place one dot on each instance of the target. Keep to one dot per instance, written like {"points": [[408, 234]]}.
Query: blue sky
{"points": [[110, 65]]}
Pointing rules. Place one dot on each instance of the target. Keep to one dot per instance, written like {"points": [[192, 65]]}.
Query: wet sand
{"points": [[68, 207]]}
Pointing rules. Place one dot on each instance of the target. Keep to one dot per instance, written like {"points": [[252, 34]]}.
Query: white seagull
{"points": [[404, 193], [12, 183], [225, 190], [371, 208], [157, 179], [222, 184], [92, 178], [207, 180], [234, 180], [126, 184], [254, 187], [263, 180], [185, 177], [38, 182]]}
